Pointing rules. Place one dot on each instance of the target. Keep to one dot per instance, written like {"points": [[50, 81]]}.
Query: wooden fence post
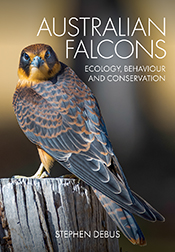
{"points": [[53, 214]]}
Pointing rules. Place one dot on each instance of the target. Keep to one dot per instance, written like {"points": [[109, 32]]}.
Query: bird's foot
{"points": [[71, 176], [45, 174], [41, 173]]}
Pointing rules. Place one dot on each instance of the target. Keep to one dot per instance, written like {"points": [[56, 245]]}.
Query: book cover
{"points": [[124, 52]]}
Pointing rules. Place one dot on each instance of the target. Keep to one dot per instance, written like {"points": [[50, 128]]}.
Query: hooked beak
{"points": [[37, 61]]}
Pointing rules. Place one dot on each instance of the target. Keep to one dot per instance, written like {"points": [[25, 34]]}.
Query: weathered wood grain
{"points": [[52, 214]]}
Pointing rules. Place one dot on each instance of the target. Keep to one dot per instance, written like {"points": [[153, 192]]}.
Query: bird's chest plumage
{"points": [[66, 96]]}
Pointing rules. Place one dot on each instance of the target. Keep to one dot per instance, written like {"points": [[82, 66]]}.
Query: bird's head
{"points": [[38, 63]]}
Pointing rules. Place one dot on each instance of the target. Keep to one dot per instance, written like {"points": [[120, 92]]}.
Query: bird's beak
{"points": [[37, 61]]}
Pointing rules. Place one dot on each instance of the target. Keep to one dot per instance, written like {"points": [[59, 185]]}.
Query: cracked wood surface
{"points": [[34, 212]]}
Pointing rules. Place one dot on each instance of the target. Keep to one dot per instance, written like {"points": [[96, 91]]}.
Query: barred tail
{"points": [[123, 219]]}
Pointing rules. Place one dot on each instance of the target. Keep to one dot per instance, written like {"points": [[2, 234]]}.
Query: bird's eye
{"points": [[47, 54], [26, 57]]}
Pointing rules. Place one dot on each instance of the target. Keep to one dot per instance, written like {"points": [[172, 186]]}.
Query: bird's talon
{"points": [[71, 176], [45, 175], [19, 176], [41, 173]]}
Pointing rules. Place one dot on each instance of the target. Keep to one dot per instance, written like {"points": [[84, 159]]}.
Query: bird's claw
{"points": [[71, 176], [45, 174], [41, 173]]}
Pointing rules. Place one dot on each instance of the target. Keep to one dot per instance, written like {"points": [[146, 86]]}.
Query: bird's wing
{"points": [[64, 119]]}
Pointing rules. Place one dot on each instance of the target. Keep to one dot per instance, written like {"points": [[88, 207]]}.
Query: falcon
{"points": [[60, 115]]}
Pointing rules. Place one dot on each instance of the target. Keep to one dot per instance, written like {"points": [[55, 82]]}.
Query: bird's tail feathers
{"points": [[150, 213], [139, 207], [124, 220]]}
